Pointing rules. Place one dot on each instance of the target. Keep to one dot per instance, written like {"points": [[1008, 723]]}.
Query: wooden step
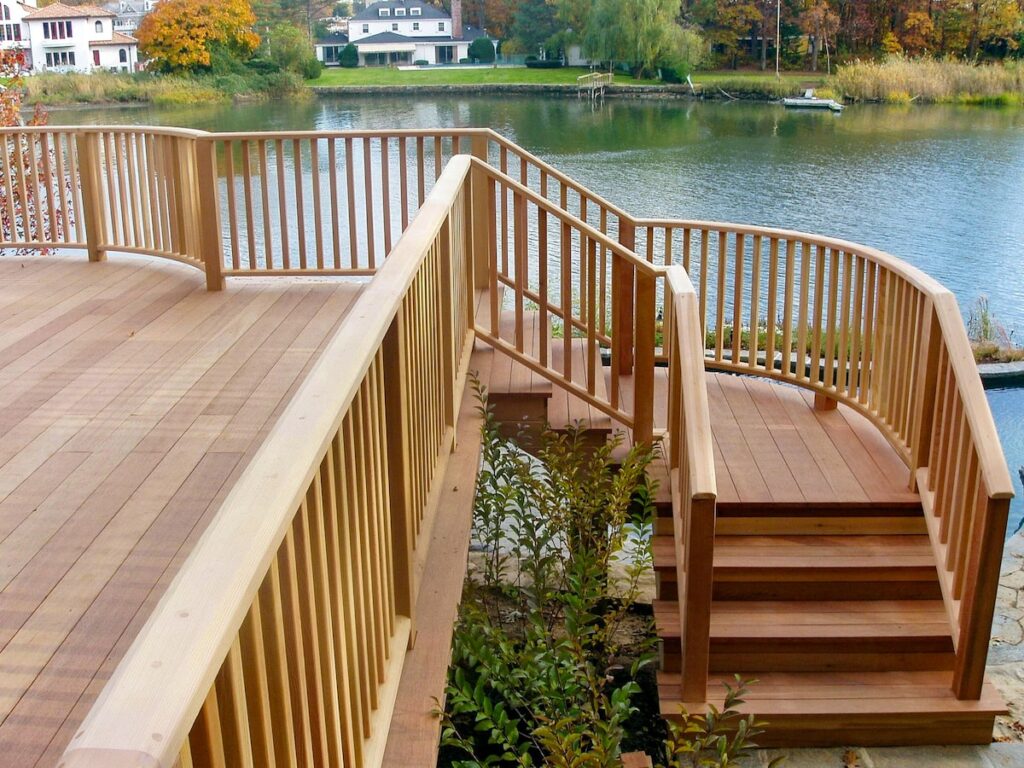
{"points": [[857, 518], [566, 409], [847, 567], [863, 708], [818, 636]]}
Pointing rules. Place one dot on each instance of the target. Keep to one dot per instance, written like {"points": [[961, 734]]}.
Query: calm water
{"points": [[942, 187]]}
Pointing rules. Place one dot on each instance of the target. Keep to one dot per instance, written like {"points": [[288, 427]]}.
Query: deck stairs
{"points": [[834, 608]]}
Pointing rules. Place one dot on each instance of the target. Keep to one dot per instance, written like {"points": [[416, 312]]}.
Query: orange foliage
{"points": [[179, 34], [12, 65]]}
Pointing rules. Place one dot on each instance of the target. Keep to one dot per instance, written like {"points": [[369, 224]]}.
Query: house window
{"points": [[385, 11], [57, 30], [394, 27], [415, 26], [95, 58], [60, 58], [123, 56], [399, 11], [366, 28], [99, 26], [414, 11], [440, 26], [6, 13]]}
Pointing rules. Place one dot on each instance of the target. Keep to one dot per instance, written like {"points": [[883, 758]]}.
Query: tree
{"points": [[181, 35], [349, 56], [482, 50], [534, 24], [290, 48], [820, 23], [918, 33]]}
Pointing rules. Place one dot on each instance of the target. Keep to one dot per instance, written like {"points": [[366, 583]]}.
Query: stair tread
{"points": [[817, 694], [809, 551], [510, 377], [855, 620], [566, 409]]}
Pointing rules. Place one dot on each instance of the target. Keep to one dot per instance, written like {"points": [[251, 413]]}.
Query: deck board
{"points": [[772, 447], [131, 399]]}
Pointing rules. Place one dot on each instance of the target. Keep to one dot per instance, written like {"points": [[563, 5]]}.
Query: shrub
{"points": [[290, 48], [542, 621], [482, 50], [349, 56], [547, 64], [263, 66], [312, 68], [421, 63], [464, 61]]}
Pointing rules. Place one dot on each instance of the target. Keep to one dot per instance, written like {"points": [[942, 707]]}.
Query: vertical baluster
{"points": [[371, 229], [739, 244], [542, 278], [257, 689], [300, 207], [317, 202], [771, 311], [789, 284], [519, 245], [755, 302], [504, 214], [802, 314], [831, 322], [403, 180], [592, 368], [280, 687], [265, 210], [565, 242], [870, 322], [853, 382], [53, 233], [723, 245], [420, 172], [705, 238], [350, 198], [206, 745], [234, 716], [332, 171], [818, 320], [385, 191]]}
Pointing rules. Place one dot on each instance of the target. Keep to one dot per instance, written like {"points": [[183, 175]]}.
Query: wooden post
{"points": [[446, 326], [925, 390], [622, 296], [478, 218], [823, 402], [207, 209], [694, 566], [643, 393], [93, 213], [396, 400], [979, 599]]}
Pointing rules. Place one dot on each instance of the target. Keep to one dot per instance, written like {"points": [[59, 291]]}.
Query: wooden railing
{"points": [[858, 326], [848, 322], [559, 269], [692, 475], [281, 640]]}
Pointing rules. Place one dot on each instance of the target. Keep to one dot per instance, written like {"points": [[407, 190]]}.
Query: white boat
{"points": [[810, 101]]}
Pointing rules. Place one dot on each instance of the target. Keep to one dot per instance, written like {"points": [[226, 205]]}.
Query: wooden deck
{"points": [[131, 400]]}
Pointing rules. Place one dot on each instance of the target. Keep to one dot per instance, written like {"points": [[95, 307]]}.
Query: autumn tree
{"points": [[183, 35]]}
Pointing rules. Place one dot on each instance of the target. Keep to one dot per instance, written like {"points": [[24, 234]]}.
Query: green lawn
{"points": [[339, 76]]}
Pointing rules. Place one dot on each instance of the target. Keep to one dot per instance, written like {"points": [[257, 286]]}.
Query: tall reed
{"points": [[899, 80]]}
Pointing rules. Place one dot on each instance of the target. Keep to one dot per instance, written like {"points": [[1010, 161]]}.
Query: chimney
{"points": [[457, 19]]}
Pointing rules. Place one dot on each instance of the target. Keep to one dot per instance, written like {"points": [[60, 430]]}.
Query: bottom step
{"points": [[852, 709]]}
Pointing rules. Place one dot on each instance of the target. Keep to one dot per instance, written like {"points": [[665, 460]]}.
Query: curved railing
{"points": [[858, 326]]}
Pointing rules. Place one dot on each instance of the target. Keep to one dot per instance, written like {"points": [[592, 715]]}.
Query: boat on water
{"points": [[810, 101]]}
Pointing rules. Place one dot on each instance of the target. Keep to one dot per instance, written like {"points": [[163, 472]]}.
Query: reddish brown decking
{"points": [[131, 400]]}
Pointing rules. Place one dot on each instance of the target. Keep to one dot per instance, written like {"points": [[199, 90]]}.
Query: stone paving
{"points": [[1005, 669]]}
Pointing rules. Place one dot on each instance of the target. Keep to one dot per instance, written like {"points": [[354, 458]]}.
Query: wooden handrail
{"points": [[694, 488], [211, 635]]}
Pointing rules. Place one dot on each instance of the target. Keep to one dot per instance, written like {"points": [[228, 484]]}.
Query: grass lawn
{"points": [[339, 76]]}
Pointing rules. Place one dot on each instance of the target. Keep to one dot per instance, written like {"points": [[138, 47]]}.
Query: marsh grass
{"points": [[990, 339], [899, 80], [52, 89]]}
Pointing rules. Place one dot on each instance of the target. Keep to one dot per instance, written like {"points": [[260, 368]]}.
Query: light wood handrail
{"points": [[694, 487], [191, 642]]}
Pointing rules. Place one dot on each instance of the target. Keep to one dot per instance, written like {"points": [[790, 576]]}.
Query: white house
{"points": [[13, 32], [406, 31], [129, 14], [78, 38]]}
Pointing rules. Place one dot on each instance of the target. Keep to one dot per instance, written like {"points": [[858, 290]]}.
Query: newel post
{"points": [[623, 299], [927, 373], [93, 215], [478, 218], [396, 396], [643, 380], [207, 209]]}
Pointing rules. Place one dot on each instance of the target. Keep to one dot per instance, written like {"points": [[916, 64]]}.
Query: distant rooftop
{"points": [[372, 12], [61, 11]]}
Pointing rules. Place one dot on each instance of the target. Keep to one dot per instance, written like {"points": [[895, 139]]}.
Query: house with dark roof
{"points": [[393, 32]]}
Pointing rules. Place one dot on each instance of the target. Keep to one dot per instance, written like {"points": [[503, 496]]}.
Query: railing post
{"points": [[93, 214], [478, 207], [643, 380], [396, 399], [207, 209], [694, 556], [924, 398], [979, 600], [622, 299]]}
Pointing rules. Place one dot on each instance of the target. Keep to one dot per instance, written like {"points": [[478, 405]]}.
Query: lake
{"points": [[941, 187]]}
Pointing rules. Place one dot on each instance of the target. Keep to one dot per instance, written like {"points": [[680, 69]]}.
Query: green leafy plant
{"points": [[548, 612], [718, 738]]}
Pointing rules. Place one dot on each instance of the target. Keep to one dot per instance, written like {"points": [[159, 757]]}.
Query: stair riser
{"points": [[824, 661], [827, 590], [819, 526]]}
